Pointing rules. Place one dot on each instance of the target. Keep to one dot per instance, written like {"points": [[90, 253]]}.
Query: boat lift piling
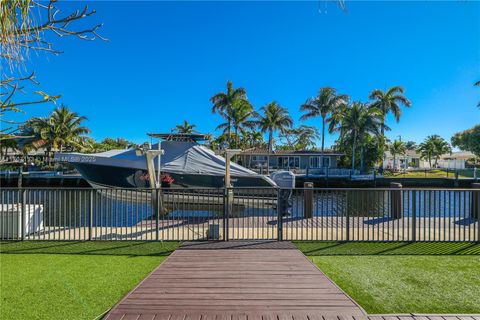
{"points": [[155, 178]]}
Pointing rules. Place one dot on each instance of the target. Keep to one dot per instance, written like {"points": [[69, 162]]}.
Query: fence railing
{"points": [[240, 213]]}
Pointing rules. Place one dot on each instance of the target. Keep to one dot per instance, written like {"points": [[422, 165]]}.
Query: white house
{"points": [[412, 159]]}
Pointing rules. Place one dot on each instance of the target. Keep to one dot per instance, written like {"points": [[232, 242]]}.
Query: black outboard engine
{"points": [[286, 183]]}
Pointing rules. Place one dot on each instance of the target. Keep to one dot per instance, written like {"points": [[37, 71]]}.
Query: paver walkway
{"points": [[237, 280]]}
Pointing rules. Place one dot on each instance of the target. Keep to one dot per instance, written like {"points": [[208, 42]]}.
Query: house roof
{"points": [[261, 152], [460, 155]]}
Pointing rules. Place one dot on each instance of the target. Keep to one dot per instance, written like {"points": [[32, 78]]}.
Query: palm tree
{"points": [[223, 104], [433, 147], [274, 118], [441, 147], [63, 128], [185, 127], [358, 121], [40, 134], [300, 138], [241, 119], [427, 150], [322, 105], [389, 101], [68, 129], [397, 147], [253, 138]]}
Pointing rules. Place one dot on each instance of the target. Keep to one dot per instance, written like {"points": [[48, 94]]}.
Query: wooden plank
{"points": [[238, 284]]}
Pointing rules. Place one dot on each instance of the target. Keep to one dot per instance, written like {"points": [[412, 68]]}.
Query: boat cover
{"points": [[178, 157]]}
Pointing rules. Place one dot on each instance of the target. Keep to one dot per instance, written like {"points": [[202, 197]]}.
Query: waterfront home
{"points": [[298, 161], [412, 160], [10, 155]]}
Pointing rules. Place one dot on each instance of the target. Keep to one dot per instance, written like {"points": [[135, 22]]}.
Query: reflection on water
{"points": [[73, 208]]}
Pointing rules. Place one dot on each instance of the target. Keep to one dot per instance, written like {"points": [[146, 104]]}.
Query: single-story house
{"points": [[412, 159], [296, 160]]}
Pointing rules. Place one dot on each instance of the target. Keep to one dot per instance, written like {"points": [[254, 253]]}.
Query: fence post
{"points": [[279, 215], [347, 215], [228, 195], [24, 205], [308, 200], [157, 213], [414, 215], [225, 214], [475, 207], [396, 200], [90, 212]]}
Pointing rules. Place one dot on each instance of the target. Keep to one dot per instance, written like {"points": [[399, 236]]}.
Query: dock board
{"points": [[236, 279]]}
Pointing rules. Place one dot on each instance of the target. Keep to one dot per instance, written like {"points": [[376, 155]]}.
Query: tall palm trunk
{"points": [[229, 132], [323, 139], [353, 150], [382, 131], [394, 162], [236, 136], [270, 140], [362, 158]]}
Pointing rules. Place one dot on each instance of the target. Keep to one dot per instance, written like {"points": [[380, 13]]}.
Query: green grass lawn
{"points": [[434, 173], [401, 277], [72, 280]]}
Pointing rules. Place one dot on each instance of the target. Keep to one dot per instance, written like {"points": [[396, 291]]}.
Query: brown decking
{"points": [[237, 280]]}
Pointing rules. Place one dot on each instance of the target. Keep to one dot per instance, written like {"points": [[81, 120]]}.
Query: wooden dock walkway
{"points": [[237, 280]]}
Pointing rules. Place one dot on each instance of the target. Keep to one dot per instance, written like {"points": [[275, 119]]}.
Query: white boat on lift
{"points": [[184, 164]]}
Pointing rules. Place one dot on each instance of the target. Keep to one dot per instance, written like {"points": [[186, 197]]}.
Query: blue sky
{"points": [[165, 60]]}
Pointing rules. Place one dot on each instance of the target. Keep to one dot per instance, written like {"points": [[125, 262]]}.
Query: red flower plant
{"points": [[166, 178]]}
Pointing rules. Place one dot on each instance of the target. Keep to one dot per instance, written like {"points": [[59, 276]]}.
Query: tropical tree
{"points": [[300, 138], [359, 121], [253, 138], [241, 118], [410, 145], [28, 28], [106, 144], [325, 103], [7, 144], [468, 140], [62, 129], [389, 101], [427, 150], [185, 127], [274, 118], [397, 147], [223, 104], [433, 147], [441, 147]]}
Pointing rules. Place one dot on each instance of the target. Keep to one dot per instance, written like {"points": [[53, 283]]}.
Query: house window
{"points": [[288, 162], [316, 162], [326, 162], [259, 158]]}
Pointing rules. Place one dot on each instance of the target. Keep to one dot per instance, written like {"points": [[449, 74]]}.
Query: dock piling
{"points": [[396, 200], [308, 200]]}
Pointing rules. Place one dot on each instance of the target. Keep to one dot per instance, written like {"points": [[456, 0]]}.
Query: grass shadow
{"points": [[315, 248], [110, 248]]}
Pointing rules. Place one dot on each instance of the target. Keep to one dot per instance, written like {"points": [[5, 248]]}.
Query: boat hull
{"points": [[122, 177]]}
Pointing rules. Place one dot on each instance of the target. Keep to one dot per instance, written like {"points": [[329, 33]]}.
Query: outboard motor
{"points": [[286, 182]]}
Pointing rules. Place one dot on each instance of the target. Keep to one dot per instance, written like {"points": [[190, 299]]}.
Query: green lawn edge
{"points": [[72, 280], [402, 278]]}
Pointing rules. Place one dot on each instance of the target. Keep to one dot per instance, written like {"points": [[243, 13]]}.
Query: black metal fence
{"points": [[238, 213]]}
